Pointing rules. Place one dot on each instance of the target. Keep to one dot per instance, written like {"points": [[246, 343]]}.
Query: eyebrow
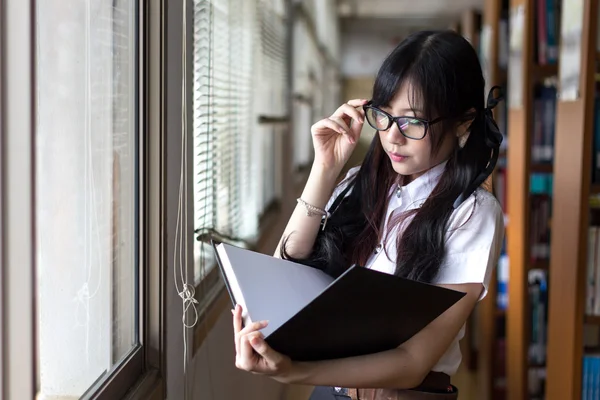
{"points": [[403, 111]]}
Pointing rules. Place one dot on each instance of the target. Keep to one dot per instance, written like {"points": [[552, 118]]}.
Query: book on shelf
{"points": [[540, 214], [544, 123], [313, 316], [592, 302], [590, 385], [547, 31], [538, 299]]}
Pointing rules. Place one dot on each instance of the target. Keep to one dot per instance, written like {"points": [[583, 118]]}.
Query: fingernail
{"points": [[265, 322]]}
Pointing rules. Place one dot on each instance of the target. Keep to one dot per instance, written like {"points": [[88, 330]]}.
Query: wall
{"points": [[214, 376], [363, 51]]}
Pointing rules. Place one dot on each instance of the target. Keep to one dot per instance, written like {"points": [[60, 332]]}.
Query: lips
{"points": [[396, 157]]}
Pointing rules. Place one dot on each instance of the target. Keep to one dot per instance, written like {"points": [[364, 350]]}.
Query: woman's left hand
{"points": [[253, 354]]}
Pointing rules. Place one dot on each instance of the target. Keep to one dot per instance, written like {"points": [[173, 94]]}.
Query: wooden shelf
{"points": [[540, 264], [544, 168], [541, 72], [574, 136], [592, 319]]}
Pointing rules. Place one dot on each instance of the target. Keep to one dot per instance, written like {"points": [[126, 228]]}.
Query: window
{"points": [[87, 201], [315, 71], [239, 77]]}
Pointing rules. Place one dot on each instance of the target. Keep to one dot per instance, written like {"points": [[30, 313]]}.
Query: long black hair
{"points": [[446, 80]]}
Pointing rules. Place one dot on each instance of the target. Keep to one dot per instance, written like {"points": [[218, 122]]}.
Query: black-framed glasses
{"points": [[410, 127]]}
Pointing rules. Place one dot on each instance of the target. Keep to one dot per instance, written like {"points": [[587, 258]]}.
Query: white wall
{"points": [[363, 52]]}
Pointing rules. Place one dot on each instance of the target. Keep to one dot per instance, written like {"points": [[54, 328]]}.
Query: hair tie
{"points": [[493, 136]]}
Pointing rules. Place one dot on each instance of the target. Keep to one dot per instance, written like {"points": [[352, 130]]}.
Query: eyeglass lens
{"points": [[412, 128]]}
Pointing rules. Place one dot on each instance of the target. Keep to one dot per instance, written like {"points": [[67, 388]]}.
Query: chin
{"points": [[402, 169], [407, 169]]}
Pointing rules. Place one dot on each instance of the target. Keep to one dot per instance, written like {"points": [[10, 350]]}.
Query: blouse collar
{"points": [[416, 192]]}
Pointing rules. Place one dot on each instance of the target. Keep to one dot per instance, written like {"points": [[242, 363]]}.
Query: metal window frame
{"points": [[18, 133]]}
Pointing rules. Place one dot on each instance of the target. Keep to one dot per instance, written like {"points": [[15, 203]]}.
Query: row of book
{"points": [[547, 31], [596, 137], [540, 213], [538, 303], [592, 280], [590, 386], [544, 122]]}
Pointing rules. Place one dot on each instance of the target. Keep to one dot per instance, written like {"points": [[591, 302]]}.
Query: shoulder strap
{"points": [[338, 200]]}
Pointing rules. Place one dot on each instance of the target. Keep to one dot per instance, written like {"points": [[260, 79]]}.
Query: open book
{"points": [[315, 317]]}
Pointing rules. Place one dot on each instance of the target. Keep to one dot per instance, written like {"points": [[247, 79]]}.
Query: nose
{"points": [[394, 135]]}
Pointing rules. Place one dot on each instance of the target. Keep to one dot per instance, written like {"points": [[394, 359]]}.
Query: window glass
{"points": [[86, 196]]}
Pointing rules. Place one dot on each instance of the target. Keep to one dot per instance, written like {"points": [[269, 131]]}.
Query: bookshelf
{"points": [[531, 95], [491, 312], [469, 26], [567, 316]]}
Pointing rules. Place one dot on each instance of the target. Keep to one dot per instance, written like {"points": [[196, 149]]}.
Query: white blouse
{"points": [[473, 242]]}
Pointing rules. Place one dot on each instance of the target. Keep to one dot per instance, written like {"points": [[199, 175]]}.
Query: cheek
{"points": [[422, 148]]}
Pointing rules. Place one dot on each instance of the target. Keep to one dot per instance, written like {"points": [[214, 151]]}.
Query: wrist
{"points": [[319, 186], [325, 173], [297, 373]]}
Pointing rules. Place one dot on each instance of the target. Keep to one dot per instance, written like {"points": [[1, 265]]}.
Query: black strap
{"points": [[493, 139], [338, 200]]}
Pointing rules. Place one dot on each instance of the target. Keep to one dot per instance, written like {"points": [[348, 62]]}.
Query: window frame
{"points": [[141, 375], [18, 128]]}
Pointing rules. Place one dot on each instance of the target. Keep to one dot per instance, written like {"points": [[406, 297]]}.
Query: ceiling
{"points": [[386, 15]]}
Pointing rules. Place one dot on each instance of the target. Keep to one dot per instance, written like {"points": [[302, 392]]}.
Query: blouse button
{"points": [[378, 248]]}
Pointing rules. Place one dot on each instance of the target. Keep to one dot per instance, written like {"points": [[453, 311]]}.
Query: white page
{"points": [[273, 289]]}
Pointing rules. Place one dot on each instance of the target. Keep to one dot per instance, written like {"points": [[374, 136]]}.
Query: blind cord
{"points": [[180, 259]]}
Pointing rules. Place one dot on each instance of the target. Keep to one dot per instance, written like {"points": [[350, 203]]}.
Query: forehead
{"points": [[406, 99]]}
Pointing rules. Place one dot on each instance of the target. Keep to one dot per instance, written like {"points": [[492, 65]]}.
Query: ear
{"points": [[464, 129]]}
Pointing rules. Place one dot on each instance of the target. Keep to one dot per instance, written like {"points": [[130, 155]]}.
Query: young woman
{"points": [[414, 208]]}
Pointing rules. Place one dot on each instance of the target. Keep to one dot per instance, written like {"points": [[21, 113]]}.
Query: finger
{"points": [[259, 345], [237, 326], [347, 112], [334, 126], [254, 326], [357, 102], [246, 353], [340, 121], [354, 128]]}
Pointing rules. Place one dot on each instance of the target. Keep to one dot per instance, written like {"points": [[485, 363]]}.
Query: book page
{"points": [[273, 289], [234, 286]]}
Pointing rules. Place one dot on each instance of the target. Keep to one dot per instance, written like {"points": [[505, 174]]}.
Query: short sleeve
{"points": [[473, 242], [341, 186]]}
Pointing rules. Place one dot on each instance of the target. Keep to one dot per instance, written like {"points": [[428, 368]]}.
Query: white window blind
{"points": [[316, 72], [271, 97], [239, 74]]}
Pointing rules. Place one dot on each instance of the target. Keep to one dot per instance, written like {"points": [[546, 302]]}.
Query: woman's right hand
{"points": [[335, 138]]}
